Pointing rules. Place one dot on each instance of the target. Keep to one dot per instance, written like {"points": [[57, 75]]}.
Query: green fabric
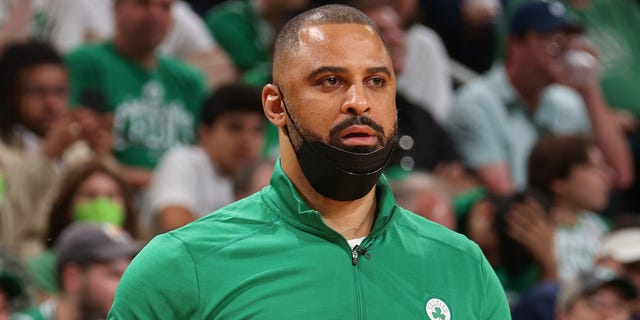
{"points": [[269, 256], [245, 37], [43, 273], [100, 210], [154, 109]]}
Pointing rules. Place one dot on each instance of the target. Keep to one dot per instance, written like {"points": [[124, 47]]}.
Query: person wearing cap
{"points": [[497, 118], [596, 295], [620, 251], [90, 260]]}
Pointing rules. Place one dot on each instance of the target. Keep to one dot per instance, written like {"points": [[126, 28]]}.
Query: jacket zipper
{"points": [[354, 261]]}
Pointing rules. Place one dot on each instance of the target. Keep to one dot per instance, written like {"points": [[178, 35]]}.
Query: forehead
{"points": [[336, 44]]}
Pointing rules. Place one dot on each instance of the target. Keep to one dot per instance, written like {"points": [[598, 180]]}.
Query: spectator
{"points": [[39, 138], [595, 295], [426, 79], [246, 30], [497, 118], [619, 251], [427, 196], [467, 28], [193, 181], [90, 260], [73, 22], [571, 172], [154, 100], [90, 192]]}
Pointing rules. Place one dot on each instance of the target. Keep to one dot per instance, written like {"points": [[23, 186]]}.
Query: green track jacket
{"points": [[270, 256]]}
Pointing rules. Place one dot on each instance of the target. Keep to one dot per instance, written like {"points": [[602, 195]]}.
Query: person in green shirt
{"points": [[154, 100], [326, 239]]}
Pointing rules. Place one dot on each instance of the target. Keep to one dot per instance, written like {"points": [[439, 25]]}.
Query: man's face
{"points": [[99, 287], [42, 93], [607, 303], [143, 23], [234, 140], [388, 23], [339, 87], [545, 52]]}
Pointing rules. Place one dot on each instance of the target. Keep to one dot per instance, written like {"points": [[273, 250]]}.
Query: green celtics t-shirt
{"points": [[153, 108]]}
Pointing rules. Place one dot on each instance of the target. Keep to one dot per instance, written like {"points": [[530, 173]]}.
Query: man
{"points": [[595, 295], [497, 119], [39, 139], [246, 30], [154, 100], [90, 259], [325, 240], [193, 181]]}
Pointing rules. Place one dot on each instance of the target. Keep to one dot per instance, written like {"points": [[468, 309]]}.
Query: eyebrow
{"points": [[329, 69]]}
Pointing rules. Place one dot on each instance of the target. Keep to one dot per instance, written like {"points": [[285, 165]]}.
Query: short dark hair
{"points": [[553, 158], [234, 97], [15, 59], [287, 38]]}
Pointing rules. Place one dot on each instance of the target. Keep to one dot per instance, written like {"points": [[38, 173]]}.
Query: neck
{"points": [[66, 308], [137, 54], [565, 214], [528, 87], [352, 219]]}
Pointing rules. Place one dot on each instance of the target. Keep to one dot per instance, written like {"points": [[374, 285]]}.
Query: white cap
{"points": [[622, 245]]}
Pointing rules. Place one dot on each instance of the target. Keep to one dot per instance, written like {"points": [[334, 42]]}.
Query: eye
{"points": [[330, 81], [376, 81]]}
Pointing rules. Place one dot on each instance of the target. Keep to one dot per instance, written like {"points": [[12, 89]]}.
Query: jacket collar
{"points": [[285, 200]]}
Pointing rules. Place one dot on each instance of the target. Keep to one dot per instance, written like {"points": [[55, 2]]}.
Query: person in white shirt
{"points": [[192, 181]]}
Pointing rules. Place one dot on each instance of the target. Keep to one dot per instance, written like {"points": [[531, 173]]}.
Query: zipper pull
{"points": [[354, 255]]}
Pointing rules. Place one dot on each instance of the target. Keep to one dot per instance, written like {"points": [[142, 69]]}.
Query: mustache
{"points": [[334, 133]]}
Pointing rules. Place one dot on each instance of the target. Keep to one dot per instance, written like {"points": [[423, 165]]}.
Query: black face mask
{"points": [[336, 173]]}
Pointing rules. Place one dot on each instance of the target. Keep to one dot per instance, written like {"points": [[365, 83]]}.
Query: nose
{"points": [[357, 101]]}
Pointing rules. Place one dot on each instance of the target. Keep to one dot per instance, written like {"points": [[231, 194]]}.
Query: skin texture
{"points": [[341, 71], [98, 185], [140, 27], [587, 186], [42, 96], [89, 291]]}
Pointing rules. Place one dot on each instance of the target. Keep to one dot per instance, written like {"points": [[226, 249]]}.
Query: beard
{"points": [[334, 139]]}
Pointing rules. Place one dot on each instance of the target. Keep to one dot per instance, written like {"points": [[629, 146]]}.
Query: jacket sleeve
{"points": [[160, 283]]}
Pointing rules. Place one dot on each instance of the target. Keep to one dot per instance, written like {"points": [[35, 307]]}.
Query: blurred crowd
{"points": [[518, 126]]}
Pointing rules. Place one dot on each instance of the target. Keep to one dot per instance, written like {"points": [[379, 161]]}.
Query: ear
{"points": [[72, 278], [273, 106]]}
